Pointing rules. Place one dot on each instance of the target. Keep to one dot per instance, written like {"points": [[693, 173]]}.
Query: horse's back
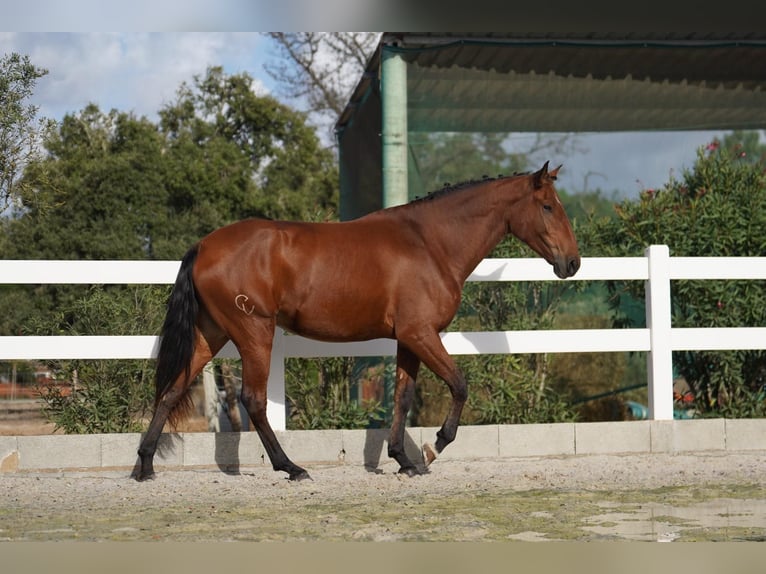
{"points": [[359, 241]]}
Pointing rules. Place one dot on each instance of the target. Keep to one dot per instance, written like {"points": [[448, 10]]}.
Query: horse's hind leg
{"points": [[407, 364], [256, 359], [206, 347]]}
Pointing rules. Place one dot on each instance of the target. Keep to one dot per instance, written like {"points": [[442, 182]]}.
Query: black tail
{"points": [[177, 343]]}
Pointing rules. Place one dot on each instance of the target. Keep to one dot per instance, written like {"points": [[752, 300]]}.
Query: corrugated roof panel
{"points": [[732, 60], [473, 100], [729, 65]]}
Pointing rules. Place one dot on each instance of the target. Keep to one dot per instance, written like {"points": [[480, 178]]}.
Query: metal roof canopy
{"points": [[541, 83]]}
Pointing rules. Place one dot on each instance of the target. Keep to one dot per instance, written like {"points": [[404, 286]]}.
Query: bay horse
{"points": [[395, 273]]}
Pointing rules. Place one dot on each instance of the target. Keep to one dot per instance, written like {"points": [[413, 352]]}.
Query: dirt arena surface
{"points": [[653, 497]]}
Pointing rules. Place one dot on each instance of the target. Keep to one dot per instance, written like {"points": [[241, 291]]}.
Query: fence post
{"points": [[275, 409], [212, 404], [659, 360]]}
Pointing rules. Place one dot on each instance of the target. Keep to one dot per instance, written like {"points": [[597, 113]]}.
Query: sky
{"points": [[140, 72], [135, 71]]}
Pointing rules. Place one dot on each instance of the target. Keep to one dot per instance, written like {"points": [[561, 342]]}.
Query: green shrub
{"points": [[718, 208], [104, 396]]}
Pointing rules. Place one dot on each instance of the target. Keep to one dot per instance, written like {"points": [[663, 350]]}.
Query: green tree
{"points": [[718, 208], [20, 143], [584, 206], [96, 195], [104, 180], [20, 129], [288, 176]]}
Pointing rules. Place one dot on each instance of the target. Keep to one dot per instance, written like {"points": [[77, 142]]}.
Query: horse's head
{"points": [[541, 222]]}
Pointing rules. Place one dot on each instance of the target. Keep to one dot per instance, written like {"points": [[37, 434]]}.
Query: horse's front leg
{"points": [[432, 353], [446, 434], [407, 364]]}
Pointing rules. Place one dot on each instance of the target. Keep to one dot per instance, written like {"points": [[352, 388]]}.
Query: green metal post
{"points": [[394, 103]]}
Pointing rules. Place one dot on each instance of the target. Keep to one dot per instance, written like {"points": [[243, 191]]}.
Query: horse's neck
{"points": [[466, 225]]}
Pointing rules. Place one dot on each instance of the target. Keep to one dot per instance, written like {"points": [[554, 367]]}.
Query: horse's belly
{"points": [[339, 326]]}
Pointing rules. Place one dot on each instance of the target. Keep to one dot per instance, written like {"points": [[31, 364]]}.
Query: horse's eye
{"points": [[547, 207]]}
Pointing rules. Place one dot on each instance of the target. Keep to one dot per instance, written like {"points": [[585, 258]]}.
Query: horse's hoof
{"points": [[429, 453], [300, 475], [409, 471], [141, 477]]}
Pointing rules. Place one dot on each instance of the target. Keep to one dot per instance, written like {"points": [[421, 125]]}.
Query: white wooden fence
{"points": [[658, 339]]}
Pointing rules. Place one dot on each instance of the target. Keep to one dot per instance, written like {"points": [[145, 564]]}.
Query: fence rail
{"points": [[658, 339]]}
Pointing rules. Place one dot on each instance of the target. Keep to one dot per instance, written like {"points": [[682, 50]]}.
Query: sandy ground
{"points": [[547, 498], [694, 496]]}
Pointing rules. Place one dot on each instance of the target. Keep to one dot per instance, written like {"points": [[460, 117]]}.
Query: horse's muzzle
{"points": [[566, 267]]}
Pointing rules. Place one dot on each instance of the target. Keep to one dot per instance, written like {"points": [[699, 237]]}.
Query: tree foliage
{"points": [[717, 208], [265, 149], [20, 129], [105, 396], [452, 157]]}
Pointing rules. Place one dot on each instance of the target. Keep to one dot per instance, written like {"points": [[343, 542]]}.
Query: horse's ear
{"points": [[540, 176], [552, 174]]}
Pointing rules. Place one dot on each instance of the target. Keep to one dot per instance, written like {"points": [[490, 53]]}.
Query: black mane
{"points": [[449, 187]]}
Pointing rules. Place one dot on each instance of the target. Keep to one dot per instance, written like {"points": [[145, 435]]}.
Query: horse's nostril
{"points": [[573, 265]]}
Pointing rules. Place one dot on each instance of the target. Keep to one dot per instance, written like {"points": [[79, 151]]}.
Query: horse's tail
{"points": [[177, 338]]}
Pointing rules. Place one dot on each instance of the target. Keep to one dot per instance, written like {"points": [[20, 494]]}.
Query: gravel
{"points": [[345, 501]]}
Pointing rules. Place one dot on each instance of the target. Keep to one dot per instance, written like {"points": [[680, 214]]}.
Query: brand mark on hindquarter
{"points": [[240, 301]]}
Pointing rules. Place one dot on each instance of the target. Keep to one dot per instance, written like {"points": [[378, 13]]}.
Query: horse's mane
{"points": [[450, 188]]}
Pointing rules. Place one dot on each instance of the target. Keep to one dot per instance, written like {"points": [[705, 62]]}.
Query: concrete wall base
{"points": [[369, 447]]}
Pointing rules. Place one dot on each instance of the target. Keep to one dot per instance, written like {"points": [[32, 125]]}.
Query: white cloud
{"points": [[136, 72]]}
